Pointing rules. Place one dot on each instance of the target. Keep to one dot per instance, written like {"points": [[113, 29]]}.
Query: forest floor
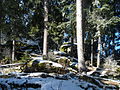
{"points": [[11, 78], [51, 81], [14, 79]]}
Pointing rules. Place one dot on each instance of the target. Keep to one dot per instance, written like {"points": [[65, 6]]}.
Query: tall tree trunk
{"points": [[113, 44], [72, 42], [92, 55], [0, 36], [13, 50], [99, 49], [109, 46], [45, 28], [81, 61]]}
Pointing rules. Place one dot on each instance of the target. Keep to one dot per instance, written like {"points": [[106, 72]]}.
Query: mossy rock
{"points": [[45, 57], [74, 65], [64, 61], [7, 76], [64, 48], [29, 64], [70, 49], [118, 70], [43, 66], [6, 60]]}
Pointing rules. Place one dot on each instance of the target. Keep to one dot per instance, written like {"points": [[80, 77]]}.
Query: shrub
{"points": [[6, 60], [25, 57], [118, 70], [110, 63]]}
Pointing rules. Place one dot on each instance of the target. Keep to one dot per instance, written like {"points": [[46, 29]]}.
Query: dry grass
{"points": [[9, 70]]}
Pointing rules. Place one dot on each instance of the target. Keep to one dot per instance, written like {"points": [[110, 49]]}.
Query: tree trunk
{"points": [[92, 40], [99, 50], [72, 42], [45, 28], [109, 53], [113, 44], [72, 53], [13, 50], [79, 32], [1, 37]]}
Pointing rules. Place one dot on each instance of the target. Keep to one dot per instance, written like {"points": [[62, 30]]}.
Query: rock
{"points": [[43, 75], [60, 53], [43, 66], [91, 80], [64, 61], [64, 77], [69, 48]]}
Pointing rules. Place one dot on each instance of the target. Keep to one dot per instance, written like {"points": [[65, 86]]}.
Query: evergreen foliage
{"points": [[25, 19]]}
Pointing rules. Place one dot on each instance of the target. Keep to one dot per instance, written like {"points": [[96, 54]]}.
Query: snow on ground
{"points": [[46, 61], [61, 85], [59, 53], [48, 83], [39, 58]]}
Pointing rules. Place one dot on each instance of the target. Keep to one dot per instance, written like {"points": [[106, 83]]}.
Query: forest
{"points": [[59, 44]]}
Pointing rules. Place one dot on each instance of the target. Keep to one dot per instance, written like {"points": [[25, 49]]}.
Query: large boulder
{"points": [[64, 61], [43, 66], [70, 49]]}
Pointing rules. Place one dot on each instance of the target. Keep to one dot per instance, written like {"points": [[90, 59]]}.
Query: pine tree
{"points": [[81, 61], [45, 27]]}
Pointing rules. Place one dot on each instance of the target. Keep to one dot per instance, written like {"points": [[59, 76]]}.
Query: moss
{"points": [[42, 65], [25, 56], [45, 57], [64, 48], [118, 70], [74, 67], [64, 61], [6, 60], [29, 64], [7, 76], [36, 66], [69, 48]]}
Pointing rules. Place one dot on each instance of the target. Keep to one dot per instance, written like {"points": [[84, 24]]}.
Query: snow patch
{"points": [[53, 63]]}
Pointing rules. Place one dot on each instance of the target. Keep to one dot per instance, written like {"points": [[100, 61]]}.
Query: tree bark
{"points": [[113, 45], [13, 50], [92, 55], [45, 28], [72, 42], [99, 49], [1, 37], [79, 32]]}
